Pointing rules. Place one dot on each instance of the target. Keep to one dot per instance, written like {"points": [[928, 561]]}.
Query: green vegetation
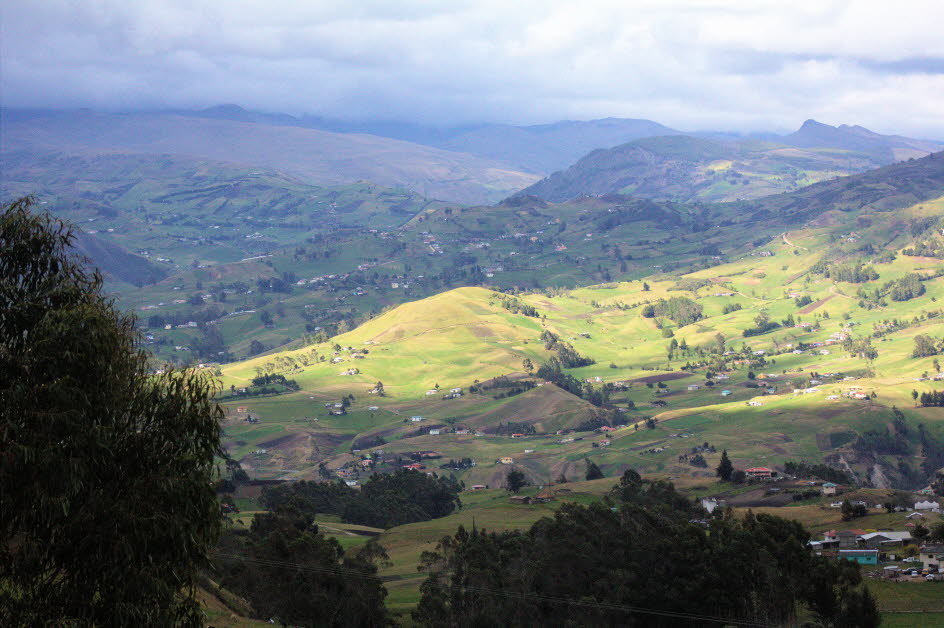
{"points": [[640, 558], [90, 436]]}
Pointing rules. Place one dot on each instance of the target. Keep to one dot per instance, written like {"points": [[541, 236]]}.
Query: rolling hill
{"points": [[317, 157], [687, 168]]}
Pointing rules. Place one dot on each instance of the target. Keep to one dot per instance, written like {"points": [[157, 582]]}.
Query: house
{"points": [[932, 556], [829, 488], [848, 538], [693, 386], [725, 393], [506, 460], [242, 409], [416, 419], [861, 556], [761, 473], [884, 540], [927, 505], [517, 435], [351, 483], [520, 499], [605, 442], [914, 515], [456, 391], [373, 408], [434, 432], [754, 403], [544, 496], [479, 487], [431, 392], [367, 462]]}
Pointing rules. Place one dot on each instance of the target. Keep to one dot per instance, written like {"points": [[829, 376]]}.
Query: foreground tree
{"points": [[289, 570], [106, 503]]}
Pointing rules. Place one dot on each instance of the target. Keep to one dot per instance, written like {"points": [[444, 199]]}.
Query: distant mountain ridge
{"points": [[689, 168], [319, 157]]}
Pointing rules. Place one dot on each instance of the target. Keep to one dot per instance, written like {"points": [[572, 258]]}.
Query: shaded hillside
{"points": [[686, 168], [881, 190], [316, 156], [116, 263]]}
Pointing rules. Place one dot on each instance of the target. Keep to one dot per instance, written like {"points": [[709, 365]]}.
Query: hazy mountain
{"points": [[541, 148], [688, 168], [550, 147], [884, 148], [316, 156]]}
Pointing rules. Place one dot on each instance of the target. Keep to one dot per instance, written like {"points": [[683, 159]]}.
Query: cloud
{"points": [[690, 64]]}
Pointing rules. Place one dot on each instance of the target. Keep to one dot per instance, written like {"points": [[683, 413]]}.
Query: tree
{"points": [[937, 533], [515, 480], [106, 502], [528, 365], [914, 396], [593, 471], [725, 468], [288, 569], [920, 533], [256, 347], [380, 388]]}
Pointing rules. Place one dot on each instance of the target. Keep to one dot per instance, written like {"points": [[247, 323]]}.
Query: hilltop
{"points": [[687, 168]]}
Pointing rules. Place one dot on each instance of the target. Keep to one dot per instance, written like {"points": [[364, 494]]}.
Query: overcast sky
{"points": [[733, 65]]}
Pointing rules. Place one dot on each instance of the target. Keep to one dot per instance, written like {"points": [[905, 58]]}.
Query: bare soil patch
{"points": [[665, 377], [812, 306]]}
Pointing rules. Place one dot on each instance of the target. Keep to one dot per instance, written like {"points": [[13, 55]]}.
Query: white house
{"points": [[434, 432], [928, 505]]}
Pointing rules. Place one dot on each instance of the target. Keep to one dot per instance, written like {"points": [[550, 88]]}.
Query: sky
{"points": [[749, 65]]}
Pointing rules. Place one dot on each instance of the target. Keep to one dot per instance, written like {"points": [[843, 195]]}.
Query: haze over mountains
{"points": [[688, 168]]}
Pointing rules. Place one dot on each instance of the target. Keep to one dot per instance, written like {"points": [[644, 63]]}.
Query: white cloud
{"points": [[690, 64]]}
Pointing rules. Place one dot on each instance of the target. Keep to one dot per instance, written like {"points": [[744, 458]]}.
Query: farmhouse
{"points": [[544, 496], [861, 556], [761, 473], [434, 432], [829, 488], [693, 386], [932, 556], [927, 505], [416, 419], [506, 460], [520, 499]]}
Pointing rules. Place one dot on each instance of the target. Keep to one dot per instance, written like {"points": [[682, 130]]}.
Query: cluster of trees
{"points": [[905, 288], [926, 249], [819, 471], [568, 356], [762, 325], [933, 398], [855, 272], [924, 346], [288, 570], [731, 307], [384, 501], [681, 310], [515, 306], [636, 559], [883, 442]]}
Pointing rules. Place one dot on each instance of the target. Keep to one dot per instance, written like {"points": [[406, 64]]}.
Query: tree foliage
{"points": [[637, 561], [287, 569], [384, 501], [106, 501]]}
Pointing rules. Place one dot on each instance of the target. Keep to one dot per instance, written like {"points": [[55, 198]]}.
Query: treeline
{"points": [[819, 471], [682, 310], [935, 398], [384, 501], [286, 568], [275, 378], [637, 559], [515, 306], [855, 272]]}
